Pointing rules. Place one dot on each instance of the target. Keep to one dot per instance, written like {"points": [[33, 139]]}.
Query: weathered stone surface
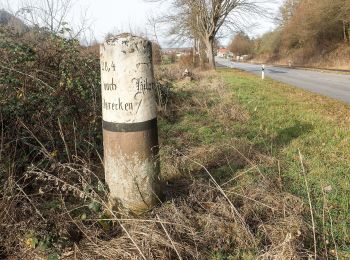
{"points": [[129, 120]]}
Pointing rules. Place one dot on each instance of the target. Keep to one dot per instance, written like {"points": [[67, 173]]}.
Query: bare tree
{"points": [[287, 11], [50, 14], [345, 17], [153, 22], [203, 19], [241, 44], [53, 15]]}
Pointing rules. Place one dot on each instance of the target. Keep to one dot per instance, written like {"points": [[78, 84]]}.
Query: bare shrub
{"points": [[241, 44], [198, 220], [53, 198], [170, 72], [186, 61]]}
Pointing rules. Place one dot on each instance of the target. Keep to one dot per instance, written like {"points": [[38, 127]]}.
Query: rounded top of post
{"points": [[127, 40], [123, 36]]}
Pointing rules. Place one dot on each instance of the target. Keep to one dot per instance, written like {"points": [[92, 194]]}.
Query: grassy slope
{"points": [[335, 58], [247, 133], [277, 120], [285, 119]]}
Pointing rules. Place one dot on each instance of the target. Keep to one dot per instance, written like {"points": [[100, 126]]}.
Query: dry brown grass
{"points": [[199, 220], [243, 215]]}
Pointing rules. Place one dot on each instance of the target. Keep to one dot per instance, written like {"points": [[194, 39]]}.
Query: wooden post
{"points": [[130, 135]]}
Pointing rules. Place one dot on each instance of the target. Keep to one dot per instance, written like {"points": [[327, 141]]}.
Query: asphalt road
{"points": [[333, 85]]}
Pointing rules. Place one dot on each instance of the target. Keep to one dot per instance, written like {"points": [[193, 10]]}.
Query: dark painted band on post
{"points": [[130, 127]]}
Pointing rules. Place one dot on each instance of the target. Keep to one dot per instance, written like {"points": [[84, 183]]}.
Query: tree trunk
{"points": [[200, 52], [209, 43], [194, 52], [344, 32]]}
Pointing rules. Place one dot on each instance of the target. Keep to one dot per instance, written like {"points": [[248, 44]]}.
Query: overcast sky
{"points": [[124, 15]]}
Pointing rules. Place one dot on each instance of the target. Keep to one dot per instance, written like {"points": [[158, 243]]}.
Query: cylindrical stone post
{"points": [[129, 115]]}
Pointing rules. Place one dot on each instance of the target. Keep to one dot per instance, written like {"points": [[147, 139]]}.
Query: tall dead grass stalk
{"points": [[310, 203]]}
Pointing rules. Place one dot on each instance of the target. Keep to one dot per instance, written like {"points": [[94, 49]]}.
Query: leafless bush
{"points": [[53, 198], [201, 218], [186, 61]]}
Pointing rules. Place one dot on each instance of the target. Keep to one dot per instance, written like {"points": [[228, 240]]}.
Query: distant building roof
{"points": [[223, 50]]}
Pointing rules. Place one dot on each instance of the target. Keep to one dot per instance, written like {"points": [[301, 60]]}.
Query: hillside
{"points": [[309, 33], [9, 20]]}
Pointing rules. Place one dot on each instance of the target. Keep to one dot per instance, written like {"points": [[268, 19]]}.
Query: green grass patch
{"points": [[285, 120], [244, 130]]}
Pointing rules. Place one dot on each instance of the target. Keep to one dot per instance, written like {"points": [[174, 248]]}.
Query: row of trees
{"points": [[203, 21], [305, 28]]}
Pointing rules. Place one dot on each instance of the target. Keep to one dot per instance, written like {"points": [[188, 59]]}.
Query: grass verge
{"points": [[285, 120], [234, 182]]}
